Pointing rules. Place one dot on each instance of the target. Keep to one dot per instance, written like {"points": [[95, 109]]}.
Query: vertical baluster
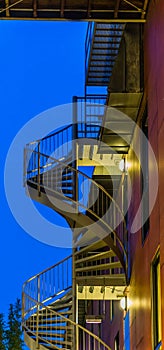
{"points": [[94, 344], [67, 272], [62, 279], [52, 187], [98, 204], [38, 168], [77, 338], [37, 316], [89, 342], [84, 344]]}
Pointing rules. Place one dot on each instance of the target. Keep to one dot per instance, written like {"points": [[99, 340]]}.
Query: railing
{"points": [[57, 144], [50, 328], [88, 44], [90, 111], [47, 178], [51, 282]]}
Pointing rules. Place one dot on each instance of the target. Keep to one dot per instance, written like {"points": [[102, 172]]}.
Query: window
{"points": [[117, 342], [156, 296], [145, 177]]}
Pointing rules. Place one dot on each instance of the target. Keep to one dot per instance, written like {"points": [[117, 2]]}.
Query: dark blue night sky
{"points": [[42, 65]]}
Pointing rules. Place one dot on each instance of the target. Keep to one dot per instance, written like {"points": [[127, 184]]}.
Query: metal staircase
{"points": [[101, 50], [54, 308], [47, 320]]}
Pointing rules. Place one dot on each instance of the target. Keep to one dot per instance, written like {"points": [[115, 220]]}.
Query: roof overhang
{"points": [[89, 10]]}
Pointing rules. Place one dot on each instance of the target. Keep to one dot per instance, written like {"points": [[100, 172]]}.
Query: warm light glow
{"points": [[122, 165], [93, 319], [62, 291], [125, 303]]}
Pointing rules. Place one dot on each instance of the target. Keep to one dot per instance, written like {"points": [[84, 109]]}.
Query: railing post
{"points": [[77, 337], [74, 153], [74, 299], [38, 169], [23, 307], [37, 317], [24, 166]]}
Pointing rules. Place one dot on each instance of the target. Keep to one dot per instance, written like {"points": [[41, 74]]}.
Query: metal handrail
{"points": [[35, 284], [88, 40], [87, 336], [46, 270], [87, 177], [79, 98], [51, 135]]}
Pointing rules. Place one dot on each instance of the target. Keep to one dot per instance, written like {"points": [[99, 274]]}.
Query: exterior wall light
{"points": [[123, 165], [125, 303]]}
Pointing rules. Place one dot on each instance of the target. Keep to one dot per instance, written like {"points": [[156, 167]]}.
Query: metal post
{"points": [[23, 307], [24, 166], [39, 193], [37, 320], [77, 338], [75, 144], [74, 299]]}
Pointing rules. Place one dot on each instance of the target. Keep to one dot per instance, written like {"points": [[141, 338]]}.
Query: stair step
{"points": [[106, 280], [49, 319], [103, 255], [104, 53], [65, 191], [67, 177], [61, 306], [52, 327], [106, 46], [98, 75], [69, 312], [92, 247], [108, 266], [62, 342], [100, 70], [65, 298], [52, 334], [67, 184], [67, 171]]}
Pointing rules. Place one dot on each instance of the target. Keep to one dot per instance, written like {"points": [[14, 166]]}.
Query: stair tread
{"points": [[94, 246], [107, 266], [97, 256], [111, 280], [53, 327]]}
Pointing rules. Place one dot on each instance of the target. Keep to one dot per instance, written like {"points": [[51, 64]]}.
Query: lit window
{"points": [[156, 288]]}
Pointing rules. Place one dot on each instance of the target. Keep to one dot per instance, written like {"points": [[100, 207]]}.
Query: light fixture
{"points": [[123, 165], [125, 303], [93, 319], [80, 289]]}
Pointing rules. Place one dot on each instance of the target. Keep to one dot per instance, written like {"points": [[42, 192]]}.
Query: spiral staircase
{"points": [[54, 301]]}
